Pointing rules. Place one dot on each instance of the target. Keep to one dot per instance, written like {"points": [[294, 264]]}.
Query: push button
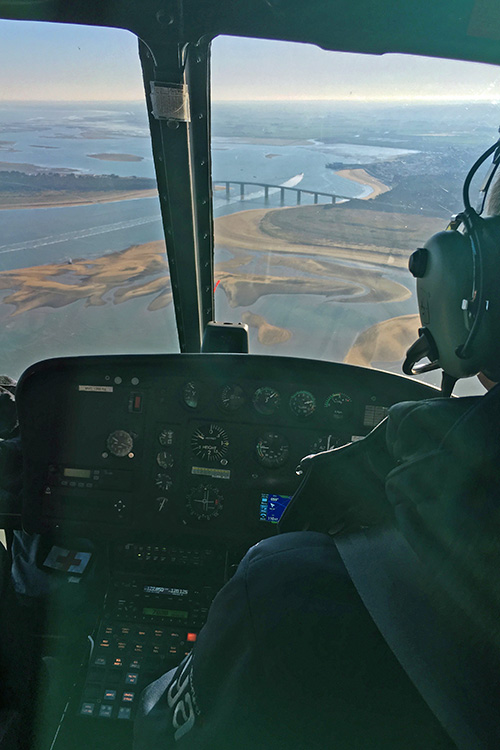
{"points": [[87, 709], [105, 712]]}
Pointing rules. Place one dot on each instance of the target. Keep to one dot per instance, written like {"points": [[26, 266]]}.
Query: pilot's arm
{"points": [[289, 658]]}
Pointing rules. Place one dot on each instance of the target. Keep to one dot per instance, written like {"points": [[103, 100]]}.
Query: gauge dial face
{"points": [[120, 443], [327, 442], [272, 449], [232, 397], [165, 459], [303, 404], [266, 400], [163, 481], [338, 405], [166, 436], [210, 443], [190, 394], [204, 502]]}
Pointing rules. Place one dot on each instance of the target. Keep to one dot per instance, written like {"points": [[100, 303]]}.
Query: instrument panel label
{"points": [[96, 388]]}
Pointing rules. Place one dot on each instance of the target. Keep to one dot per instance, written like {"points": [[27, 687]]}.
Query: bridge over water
{"points": [[281, 188]]}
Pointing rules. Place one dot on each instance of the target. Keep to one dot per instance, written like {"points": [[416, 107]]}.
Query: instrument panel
{"points": [[200, 443]]}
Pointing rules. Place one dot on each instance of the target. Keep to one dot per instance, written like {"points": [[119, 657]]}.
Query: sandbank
{"points": [[116, 157], [340, 233], [110, 279], [267, 334], [60, 199], [362, 177], [320, 271], [384, 342]]}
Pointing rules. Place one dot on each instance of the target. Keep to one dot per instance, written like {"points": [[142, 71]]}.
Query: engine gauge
{"points": [[120, 443], [204, 502], [338, 405], [266, 400], [165, 459], [232, 397], [190, 394], [272, 449], [163, 481], [302, 404], [210, 443]]}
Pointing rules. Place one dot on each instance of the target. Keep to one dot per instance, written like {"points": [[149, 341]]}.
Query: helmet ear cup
{"points": [[449, 304]]}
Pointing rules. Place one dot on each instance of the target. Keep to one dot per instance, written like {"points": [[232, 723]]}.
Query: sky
{"points": [[56, 62]]}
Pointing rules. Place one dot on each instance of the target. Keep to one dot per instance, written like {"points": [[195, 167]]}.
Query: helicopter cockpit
{"points": [[207, 213]]}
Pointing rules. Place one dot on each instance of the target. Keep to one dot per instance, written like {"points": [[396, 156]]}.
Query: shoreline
{"points": [[362, 177], [52, 201]]}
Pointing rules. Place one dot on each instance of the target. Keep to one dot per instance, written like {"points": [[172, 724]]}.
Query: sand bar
{"points": [[385, 342], [116, 157], [362, 177], [60, 199]]}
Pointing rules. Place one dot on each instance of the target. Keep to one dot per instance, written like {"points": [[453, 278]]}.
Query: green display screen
{"points": [[164, 612], [78, 473]]}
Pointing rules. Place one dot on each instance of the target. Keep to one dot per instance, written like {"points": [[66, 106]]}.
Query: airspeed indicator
{"points": [[272, 449]]}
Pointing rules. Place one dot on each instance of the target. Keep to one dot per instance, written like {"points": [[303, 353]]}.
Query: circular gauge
{"points": [[163, 481], [266, 400], [210, 443], [190, 395], [303, 403], [327, 442], [120, 443], [204, 502], [166, 437], [165, 459], [272, 449], [232, 397], [338, 404]]}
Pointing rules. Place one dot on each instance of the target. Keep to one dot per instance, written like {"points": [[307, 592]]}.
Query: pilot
{"points": [[371, 620]]}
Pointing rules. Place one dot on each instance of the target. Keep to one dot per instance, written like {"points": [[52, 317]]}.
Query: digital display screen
{"points": [[272, 506], [165, 590], [155, 612], [78, 473]]}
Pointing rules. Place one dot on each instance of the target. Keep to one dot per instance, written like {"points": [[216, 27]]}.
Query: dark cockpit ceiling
{"points": [[467, 29]]}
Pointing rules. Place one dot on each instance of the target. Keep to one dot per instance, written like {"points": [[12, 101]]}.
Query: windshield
{"points": [[83, 268], [329, 170]]}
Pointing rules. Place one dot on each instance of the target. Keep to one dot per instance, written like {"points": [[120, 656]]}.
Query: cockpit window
{"points": [[83, 268], [329, 169]]}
